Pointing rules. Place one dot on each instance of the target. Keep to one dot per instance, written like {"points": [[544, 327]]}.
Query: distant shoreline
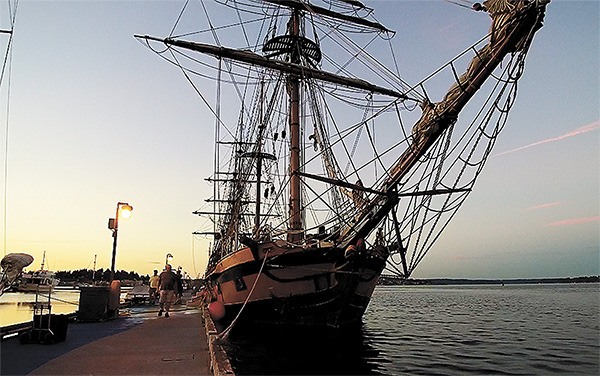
{"points": [[393, 281]]}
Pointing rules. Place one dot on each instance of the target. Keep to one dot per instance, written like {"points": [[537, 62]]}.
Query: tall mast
{"points": [[259, 155], [261, 126], [295, 224]]}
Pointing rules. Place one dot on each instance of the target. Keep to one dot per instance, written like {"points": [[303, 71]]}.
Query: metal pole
{"points": [[94, 272], [114, 248]]}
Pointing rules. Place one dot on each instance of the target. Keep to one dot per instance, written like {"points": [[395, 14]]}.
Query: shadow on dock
{"points": [[137, 342]]}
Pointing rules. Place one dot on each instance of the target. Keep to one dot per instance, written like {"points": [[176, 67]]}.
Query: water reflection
{"points": [[17, 307], [302, 351], [438, 330]]}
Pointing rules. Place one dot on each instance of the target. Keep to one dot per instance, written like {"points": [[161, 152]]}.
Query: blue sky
{"points": [[96, 118]]}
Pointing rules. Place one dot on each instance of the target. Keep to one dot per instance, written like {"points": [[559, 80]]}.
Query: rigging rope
{"points": [[461, 4], [7, 64], [503, 91], [50, 297], [179, 18], [421, 211], [6, 134]]}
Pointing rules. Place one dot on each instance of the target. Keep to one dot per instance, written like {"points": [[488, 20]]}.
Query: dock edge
{"points": [[219, 361]]}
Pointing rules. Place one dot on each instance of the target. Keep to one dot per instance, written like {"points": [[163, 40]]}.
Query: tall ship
{"points": [[329, 168]]}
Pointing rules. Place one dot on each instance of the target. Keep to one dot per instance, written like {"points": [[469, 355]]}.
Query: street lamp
{"points": [[167, 258], [123, 211]]}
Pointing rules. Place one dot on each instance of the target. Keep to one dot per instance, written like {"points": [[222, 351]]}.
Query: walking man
{"points": [[179, 287], [167, 282], [153, 290]]}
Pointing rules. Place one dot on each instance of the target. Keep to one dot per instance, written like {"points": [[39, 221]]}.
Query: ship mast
{"points": [[301, 62], [295, 225], [513, 27]]}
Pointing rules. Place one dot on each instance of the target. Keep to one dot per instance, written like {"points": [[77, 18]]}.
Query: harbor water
{"points": [[17, 307], [548, 329]]}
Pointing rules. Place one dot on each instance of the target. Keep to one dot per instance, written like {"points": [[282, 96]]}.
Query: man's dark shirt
{"points": [[167, 280]]}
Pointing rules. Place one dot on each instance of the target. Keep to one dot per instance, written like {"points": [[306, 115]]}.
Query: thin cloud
{"points": [[574, 221], [544, 206], [586, 128]]}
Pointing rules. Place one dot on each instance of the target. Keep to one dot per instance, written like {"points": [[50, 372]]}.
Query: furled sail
{"points": [[311, 8]]}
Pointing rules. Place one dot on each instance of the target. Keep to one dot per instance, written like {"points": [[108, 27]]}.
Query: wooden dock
{"points": [[132, 344]]}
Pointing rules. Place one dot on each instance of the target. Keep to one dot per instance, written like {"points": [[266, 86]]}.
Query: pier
{"points": [[137, 342]]}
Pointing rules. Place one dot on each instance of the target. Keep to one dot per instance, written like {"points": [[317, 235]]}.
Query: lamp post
{"points": [[123, 210], [167, 258]]}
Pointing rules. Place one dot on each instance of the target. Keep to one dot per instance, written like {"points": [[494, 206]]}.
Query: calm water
{"points": [[417, 330], [445, 330], [17, 307]]}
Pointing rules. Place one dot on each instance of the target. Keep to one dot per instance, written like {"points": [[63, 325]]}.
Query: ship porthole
{"points": [[240, 285]]}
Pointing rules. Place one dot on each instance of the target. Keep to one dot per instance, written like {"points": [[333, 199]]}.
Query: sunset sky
{"points": [[95, 118]]}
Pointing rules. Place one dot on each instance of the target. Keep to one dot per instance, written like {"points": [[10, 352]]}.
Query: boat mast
{"points": [[261, 126], [297, 48], [295, 225], [94, 271], [259, 155], [43, 261]]}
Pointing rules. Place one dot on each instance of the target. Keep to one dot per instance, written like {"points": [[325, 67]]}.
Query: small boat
{"points": [[38, 281], [319, 182], [139, 294]]}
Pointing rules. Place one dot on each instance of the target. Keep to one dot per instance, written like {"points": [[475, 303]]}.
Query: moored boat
{"points": [[41, 280], [312, 204]]}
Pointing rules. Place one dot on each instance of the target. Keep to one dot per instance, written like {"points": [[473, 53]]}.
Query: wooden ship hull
{"points": [[317, 286]]}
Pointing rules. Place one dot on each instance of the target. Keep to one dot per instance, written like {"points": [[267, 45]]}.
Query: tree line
{"points": [[389, 280], [100, 275]]}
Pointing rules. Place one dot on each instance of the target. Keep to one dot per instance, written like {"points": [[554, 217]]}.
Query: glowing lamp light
{"points": [[126, 211]]}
